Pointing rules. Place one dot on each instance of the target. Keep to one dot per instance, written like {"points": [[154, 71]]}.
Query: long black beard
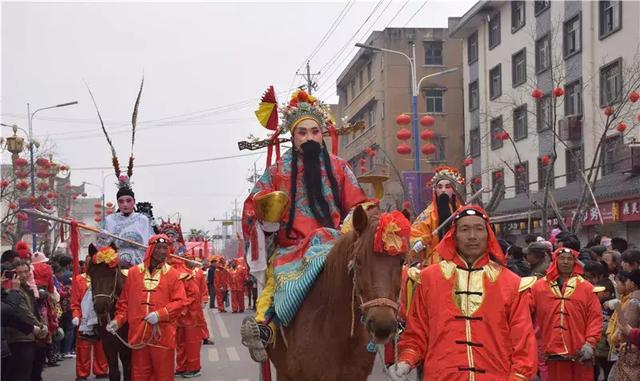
{"points": [[312, 153], [445, 205]]}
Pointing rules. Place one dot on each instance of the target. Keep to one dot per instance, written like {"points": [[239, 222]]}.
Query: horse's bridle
{"points": [[377, 302], [112, 295]]}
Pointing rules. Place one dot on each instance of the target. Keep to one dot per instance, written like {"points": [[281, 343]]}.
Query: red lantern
{"points": [[4, 183], [32, 199], [98, 212], [22, 216], [42, 187], [20, 162], [403, 119], [520, 169], [498, 175], [97, 219], [608, 111], [22, 185], [427, 134], [621, 127], [22, 174], [109, 204], [43, 174], [428, 149], [558, 91], [51, 195], [403, 134], [109, 211], [363, 170], [403, 149], [84, 194], [41, 161], [427, 121], [502, 135], [74, 197], [468, 161], [363, 162], [12, 205], [634, 96], [477, 180], [97, 205], [545, 160], [537, 93]]}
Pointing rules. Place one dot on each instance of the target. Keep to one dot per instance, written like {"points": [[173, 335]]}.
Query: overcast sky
{"points": [[205, 66]]}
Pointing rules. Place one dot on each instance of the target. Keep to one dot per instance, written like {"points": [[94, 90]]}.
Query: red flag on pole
{"points": [[74, 247]]}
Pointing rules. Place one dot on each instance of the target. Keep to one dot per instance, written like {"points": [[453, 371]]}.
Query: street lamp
{"points": [[415, 89], [33, 180]]}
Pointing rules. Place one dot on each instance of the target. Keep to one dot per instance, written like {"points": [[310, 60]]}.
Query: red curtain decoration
{"points": [[74, 247]]}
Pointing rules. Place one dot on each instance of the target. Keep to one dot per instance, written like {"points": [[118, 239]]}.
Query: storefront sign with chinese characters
{"points": [[630, 210], [610, 212]]}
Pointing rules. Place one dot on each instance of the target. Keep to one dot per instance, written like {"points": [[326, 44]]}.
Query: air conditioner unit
{"points": [[570, 128]]}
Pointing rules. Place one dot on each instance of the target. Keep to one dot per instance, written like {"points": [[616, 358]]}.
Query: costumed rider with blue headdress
{"points": [[291, 216]]}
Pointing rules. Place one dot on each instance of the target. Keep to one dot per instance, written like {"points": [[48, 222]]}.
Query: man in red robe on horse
{"points": [[570, 318], [79, 286], [470, 318], [152, 300], [318, 189]]}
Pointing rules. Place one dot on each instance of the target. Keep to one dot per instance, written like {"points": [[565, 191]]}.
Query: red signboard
{"points": [[610, 212], [630, 210]]}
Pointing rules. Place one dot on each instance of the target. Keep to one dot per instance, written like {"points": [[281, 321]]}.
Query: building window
{"points": [[352, 86], [346, 96], [575, 162], [371, 116], [435, 100], [517, 15], [543, 53], [610, 17], [369, 72], [472, 48], [541, 5], [474, 142], [496, 127], [439, 155], [494, 31], [611, 155], [522, 177], [520, 125], [361, 79], [495, 78], [573, 98], [497, 177], [611, 83], [474, 96], [519, 68], [543, 171], [572, 36], [433, 53], [543, 113]]}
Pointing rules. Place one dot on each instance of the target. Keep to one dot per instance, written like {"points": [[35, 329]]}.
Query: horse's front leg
{"points": [[110, 345]]}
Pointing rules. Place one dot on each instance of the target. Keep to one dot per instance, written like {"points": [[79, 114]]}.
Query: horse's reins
{"points": [[155, 332]]}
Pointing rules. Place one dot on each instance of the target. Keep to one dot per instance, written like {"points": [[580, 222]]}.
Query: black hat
{"points": [[125, 191]]}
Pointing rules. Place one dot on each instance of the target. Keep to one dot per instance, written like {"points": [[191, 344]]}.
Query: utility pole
{"points": [[308, 77]]}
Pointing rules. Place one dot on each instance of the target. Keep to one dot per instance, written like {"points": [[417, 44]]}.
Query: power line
{"points": [[174, 162], [415, 13], [397, 13], [329, 32]]}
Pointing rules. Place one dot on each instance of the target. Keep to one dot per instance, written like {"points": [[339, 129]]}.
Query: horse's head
{"points": [[106, 281], [377, 268]]}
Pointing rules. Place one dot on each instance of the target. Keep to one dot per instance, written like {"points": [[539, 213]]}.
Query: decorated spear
{"points": [[39, 214]]}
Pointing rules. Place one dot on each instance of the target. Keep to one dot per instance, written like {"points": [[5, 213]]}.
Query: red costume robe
{"points": [[80, 285], [569, 316], [221, 284], [237, 279], [201, 280], [469, 323], [189, 333], [160, 291]]}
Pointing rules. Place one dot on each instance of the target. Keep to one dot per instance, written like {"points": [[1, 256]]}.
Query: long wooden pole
{"points": [[96, 230]]}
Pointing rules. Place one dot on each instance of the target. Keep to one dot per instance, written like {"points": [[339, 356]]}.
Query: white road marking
{"points": [[207, 320], [233, 354], [213, 355], [243, 379], [221, 327]]}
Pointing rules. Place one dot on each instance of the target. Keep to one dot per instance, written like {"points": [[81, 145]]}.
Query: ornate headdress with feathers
{"points": [[124, 180]]}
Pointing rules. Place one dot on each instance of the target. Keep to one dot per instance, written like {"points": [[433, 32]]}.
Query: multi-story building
{"points": [[376, 87], [577, 58]]}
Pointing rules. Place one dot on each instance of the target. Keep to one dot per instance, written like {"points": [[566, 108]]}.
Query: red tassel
{"points": [[74, 247], [334, 139]]}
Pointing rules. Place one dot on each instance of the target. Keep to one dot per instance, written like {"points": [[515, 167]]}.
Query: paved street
{"points": [[227, 360]]}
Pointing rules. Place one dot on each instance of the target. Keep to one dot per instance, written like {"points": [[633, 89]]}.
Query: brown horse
{"points": [[320, 345], [106, 285]]}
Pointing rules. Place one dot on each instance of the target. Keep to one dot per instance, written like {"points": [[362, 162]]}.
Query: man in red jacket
{"points": [[469, 319], [201, 281], [80, 285], [221, 283], [238, 276], [152, 300], [570, 318]]}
